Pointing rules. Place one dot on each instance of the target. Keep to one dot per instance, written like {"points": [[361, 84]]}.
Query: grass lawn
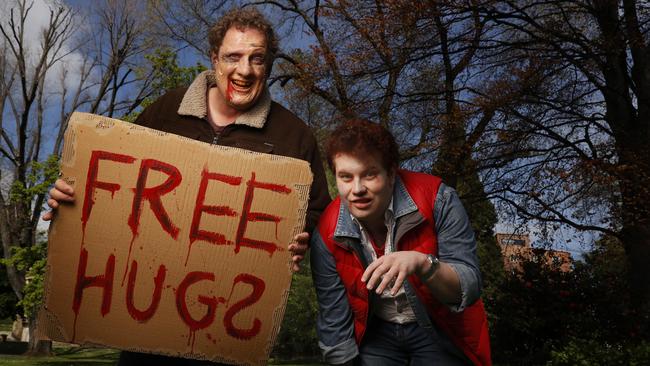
{"points": [[69, 356], [82, 356]]}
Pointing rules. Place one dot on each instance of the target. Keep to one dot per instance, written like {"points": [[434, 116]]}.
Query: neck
{"points": [[220, 113], [378, 236], [377, 232]]}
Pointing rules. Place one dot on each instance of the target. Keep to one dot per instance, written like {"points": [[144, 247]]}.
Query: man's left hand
{"points": [[298, 249]]}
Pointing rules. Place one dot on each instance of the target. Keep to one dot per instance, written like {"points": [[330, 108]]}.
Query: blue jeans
{"points": [[391, 344]]}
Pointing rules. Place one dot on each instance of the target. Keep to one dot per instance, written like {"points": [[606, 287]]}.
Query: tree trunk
{"points": [[16, 278], [635, 230], [37, 345]]}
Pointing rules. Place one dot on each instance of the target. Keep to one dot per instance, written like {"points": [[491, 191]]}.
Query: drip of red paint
{"points": [[247, 215], [258, 285], [199, 208], [144, 315], [229, 91], [152, 194]]}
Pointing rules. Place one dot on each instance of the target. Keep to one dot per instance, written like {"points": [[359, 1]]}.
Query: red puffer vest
{"points": [[468, 329]]}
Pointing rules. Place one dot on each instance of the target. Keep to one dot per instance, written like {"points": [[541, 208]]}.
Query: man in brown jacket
{"points": [[231, 106]]}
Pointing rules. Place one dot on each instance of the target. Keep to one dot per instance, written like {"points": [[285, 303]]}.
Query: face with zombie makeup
{"points": [[241, 67]]}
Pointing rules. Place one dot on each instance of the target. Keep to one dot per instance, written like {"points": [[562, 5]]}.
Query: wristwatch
{"points": [[435, 264]]}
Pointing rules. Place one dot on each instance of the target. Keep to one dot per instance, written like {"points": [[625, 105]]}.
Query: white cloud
{"points": [[67, 68], [37, 21]]}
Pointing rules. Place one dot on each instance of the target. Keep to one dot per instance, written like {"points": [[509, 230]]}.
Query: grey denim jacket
{"points": [[456, 247]]}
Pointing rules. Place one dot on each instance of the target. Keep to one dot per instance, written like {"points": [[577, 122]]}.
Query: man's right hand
{"points": [[60, 193]]}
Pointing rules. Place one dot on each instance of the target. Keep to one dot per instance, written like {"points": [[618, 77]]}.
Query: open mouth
{"points": [[361, 203], [240, 84]]}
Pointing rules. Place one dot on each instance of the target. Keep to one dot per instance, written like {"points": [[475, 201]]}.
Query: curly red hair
{"points": [[358, 137]]}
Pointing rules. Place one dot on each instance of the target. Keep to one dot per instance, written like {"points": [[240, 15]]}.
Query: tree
{"points": [[420, 70], [186, 22], [297, 338], [25, 67], [163, 73], [8, 298], [37, 72], [541, 311], [588, 160], [535, 310]]}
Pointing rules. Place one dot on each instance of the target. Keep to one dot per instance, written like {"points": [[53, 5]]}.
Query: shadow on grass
{"points": [[70, 356], [86, 356]]}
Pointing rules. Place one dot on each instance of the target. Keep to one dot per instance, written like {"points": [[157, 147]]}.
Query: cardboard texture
{"points": [[173, 246]]}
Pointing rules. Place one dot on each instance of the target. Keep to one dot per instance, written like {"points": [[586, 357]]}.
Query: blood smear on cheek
{"points": [[229, 91]]}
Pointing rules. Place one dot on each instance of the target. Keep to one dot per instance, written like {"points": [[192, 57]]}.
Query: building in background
{"points": [[516, 249]]}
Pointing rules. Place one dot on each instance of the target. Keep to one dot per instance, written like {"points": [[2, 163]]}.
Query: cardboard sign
{"points": [[173, 246]]}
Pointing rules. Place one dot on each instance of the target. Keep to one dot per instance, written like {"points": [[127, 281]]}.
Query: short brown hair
{"points": [[243, 18], [360, 137]]}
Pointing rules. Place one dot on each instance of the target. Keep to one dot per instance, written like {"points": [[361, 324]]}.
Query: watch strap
{"points": [[434, 265]]}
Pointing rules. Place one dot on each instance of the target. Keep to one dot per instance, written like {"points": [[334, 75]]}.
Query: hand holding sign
{"points": [[60, 193], [184, 246]]}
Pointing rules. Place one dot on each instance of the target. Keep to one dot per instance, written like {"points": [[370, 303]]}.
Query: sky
{"points": [[563, 239]]}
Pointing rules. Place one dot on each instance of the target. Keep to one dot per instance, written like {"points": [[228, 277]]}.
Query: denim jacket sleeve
{"points": [[334, 325], [456, 244]]}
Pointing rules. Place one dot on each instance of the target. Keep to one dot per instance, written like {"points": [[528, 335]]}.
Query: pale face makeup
{"points": [[365, 187], [240, 67]]}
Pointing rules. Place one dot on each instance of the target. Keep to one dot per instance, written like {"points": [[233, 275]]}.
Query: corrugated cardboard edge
{"points": [[50, 324], [107, 123], [278, 313]]}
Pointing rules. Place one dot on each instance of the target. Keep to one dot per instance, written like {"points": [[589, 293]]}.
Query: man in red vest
{"points": [[394, 262]]}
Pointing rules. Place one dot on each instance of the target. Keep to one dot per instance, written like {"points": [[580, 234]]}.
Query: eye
{"points": [[345, 177], [258, 59], [371, 175], [230, 58]]}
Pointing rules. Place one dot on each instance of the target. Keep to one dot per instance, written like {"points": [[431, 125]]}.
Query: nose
{"points": [[358, 188], [244, 66]]}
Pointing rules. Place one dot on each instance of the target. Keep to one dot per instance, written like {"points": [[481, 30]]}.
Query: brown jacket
{"points": [[267, 127]]}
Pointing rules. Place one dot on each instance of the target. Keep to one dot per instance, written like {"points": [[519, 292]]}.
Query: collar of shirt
{"points": [[389, 220]]}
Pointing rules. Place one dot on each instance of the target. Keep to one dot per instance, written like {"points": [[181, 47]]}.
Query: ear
{"points": [[392, 174], [214, 58], [269, 67]]}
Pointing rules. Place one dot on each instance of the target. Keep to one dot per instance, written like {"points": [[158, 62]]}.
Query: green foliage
{"points": [[297, 338], [166, 74], [331, 183], [483, 218], [32, 261], [29, 260], [8, 298], [591, 352], [40, 175], [533, 312], [583, 317], [33, 292]]}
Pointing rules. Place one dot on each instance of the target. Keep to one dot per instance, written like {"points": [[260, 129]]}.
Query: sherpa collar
{"points": [[194, 102]]}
